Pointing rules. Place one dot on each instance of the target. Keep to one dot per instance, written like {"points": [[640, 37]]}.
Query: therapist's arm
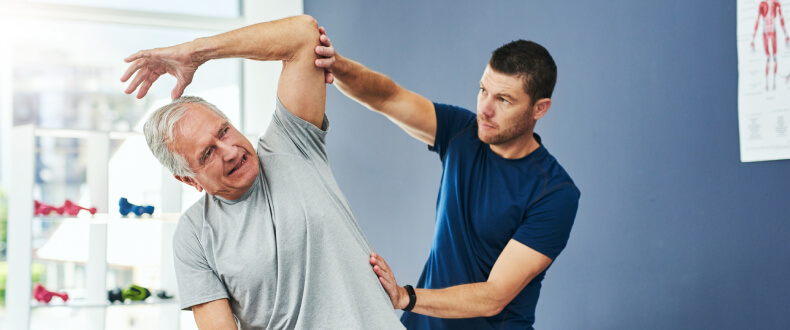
{"points": [[515, 267], [412, 112]]}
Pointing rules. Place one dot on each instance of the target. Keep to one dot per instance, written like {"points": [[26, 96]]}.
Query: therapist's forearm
{"points": [[461, 301]]}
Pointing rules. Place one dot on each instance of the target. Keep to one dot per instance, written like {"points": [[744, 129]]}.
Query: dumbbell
{"points": [[132, 292], [126, 208], [68, 208], [73, 209], [45, 209], [40, 293]]}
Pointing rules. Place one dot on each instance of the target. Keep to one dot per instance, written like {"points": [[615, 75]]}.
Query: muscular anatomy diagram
{"points": [[768, 11]]}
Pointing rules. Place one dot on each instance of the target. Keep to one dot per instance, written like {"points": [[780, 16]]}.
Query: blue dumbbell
{"points": [[126, 207]]}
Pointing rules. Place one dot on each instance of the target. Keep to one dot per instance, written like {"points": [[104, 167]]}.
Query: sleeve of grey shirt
{"points": [[197, 282], [290, 134]]}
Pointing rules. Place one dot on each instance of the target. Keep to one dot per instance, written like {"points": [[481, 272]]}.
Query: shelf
{"points": [[84, 304], [98, 241], [83, 133], [102, 218]]}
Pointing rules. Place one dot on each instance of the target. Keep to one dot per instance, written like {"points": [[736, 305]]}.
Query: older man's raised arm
{"points": [[292, 40]]}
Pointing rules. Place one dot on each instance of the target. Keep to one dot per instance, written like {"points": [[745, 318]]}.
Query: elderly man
{"points": [[505, 207], [273, 241]]}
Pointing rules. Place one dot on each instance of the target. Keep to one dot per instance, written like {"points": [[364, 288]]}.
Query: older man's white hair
{"points": [[159, 132]]}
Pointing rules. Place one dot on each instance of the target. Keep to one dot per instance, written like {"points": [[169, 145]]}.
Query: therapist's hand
{"points": [[327, 55], [152, 63], [387, 278]]}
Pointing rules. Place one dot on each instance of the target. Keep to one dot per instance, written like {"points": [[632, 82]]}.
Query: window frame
{"points": [[23, 9]]}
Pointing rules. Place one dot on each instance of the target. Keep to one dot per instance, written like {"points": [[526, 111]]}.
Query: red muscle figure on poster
{"points": [[769, 10]]}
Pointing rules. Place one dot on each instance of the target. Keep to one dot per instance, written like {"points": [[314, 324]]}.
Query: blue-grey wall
{"points": [[673, 231]]}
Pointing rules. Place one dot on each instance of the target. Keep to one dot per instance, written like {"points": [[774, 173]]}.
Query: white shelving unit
{"points": [[19, 302]]}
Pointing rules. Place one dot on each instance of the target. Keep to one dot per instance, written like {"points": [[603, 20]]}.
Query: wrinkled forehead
{"points": [[195, 129]]}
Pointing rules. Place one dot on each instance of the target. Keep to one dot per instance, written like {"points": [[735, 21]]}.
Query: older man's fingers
{"points": [[181, 85], [137, 80], [135, 56], [132, 69], [152, 77]]}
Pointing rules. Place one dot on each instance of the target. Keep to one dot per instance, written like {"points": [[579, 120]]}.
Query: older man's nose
{"points": [[229, 152]]}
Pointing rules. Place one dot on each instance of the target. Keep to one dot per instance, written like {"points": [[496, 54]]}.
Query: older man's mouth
{"points": [[239, 165]]}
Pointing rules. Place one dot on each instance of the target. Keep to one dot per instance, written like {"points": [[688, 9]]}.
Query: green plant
{"points": [[37, 270], [3, 244], [3, 224], [3, 275]]}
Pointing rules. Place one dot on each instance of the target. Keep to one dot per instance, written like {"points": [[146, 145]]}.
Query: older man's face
{"points": [[224, 161]]}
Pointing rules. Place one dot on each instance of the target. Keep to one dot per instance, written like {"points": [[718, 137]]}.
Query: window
{"points": [[184, 7], [65, 74]]}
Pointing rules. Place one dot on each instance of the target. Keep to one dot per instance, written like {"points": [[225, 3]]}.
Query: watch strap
{"points": [[412, 297]]}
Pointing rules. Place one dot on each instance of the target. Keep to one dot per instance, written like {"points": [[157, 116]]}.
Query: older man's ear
{"points": [[190, 181]]}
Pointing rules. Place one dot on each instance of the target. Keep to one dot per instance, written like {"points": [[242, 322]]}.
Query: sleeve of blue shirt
{"points": [[450, 120], [547, 224]]}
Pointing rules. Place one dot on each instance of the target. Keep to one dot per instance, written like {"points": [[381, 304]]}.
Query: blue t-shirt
{"points": [[484, 201]]}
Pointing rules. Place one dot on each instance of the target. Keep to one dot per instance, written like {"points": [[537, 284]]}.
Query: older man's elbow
{"points": [[308, 29], [309, 20]]}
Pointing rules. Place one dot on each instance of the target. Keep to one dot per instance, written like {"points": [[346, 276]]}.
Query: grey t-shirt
{"points": [[289, 253]]}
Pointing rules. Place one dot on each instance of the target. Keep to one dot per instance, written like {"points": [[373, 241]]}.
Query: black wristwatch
{"points": [[412, 298]]}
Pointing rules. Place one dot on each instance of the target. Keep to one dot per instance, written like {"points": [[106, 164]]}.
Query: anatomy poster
{"points": [[763, 79]]}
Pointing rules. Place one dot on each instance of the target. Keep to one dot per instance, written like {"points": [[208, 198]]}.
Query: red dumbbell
{"points": [[45, 209], [73, 209], [40, 293]]}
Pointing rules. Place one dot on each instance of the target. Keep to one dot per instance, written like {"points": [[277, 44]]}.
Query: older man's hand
{"points": [[177, 60]]}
